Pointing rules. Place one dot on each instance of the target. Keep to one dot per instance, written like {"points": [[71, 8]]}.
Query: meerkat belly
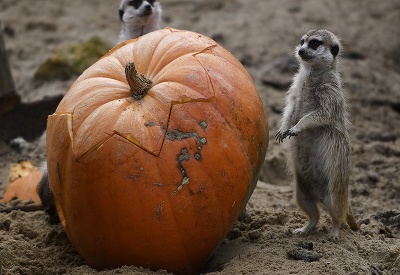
{"points": [[312, 160]]}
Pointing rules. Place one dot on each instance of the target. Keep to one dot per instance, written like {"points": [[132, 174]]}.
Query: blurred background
{"points": [[262, 34]]}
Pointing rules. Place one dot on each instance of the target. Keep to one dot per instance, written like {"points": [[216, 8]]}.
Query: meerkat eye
{"points": [[135, 3], [314, 44], [301, 42], [121, 15]]}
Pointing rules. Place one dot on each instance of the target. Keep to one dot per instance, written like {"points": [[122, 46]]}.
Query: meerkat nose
{"points": [[301, 52], [147, 7]]}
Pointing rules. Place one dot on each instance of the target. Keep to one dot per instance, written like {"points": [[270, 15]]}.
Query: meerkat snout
{"points": [[147, 9], [138, 18]]}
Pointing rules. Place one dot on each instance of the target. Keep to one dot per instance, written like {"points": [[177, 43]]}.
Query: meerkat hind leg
{"points": [[337, 220], [335, 231], [310, 208]]}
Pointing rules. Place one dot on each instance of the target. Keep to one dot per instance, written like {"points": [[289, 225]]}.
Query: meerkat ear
{"points": [[335, 50], [121, 14]]}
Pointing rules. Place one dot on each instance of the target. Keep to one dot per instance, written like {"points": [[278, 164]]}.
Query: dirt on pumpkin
{"points": [[262, 34]]}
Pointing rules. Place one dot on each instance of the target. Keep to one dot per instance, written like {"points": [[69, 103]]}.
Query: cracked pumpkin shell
{"points": [[156, 180]]}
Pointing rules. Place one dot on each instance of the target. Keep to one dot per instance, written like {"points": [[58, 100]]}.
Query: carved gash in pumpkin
{"points": [[155, 150]]}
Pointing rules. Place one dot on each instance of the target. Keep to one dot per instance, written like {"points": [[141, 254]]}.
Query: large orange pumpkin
{"points": [[153, 168]]}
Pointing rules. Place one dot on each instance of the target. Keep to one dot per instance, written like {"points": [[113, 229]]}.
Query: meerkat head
{"points": [[129, 9], [318, 47], [138, 17]]}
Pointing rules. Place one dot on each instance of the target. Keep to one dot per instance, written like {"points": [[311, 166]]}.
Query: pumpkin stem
{"points": [[139, 84]]}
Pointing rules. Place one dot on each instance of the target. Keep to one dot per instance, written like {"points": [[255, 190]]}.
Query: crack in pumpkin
{"points": [[98, 145], [94, 148], [70, 129], [132, 140], [203, 51]]}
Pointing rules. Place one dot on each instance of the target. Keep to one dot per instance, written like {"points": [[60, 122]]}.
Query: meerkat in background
{"points": [[138, 18], [46, 196], [315, 116]]}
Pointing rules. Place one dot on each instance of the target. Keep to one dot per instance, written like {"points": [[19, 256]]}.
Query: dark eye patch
{"points": [[135, 3], [314, 44], [151, 2]]}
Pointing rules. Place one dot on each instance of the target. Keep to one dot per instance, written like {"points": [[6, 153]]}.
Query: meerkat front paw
{"points": [[281, 135], [291, 132]]}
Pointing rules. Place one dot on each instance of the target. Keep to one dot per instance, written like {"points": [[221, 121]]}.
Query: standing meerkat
{"points": [[315, 116], [138, 18]]}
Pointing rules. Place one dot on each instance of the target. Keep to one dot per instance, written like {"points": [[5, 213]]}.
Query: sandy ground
{"points": [[262, 34]]}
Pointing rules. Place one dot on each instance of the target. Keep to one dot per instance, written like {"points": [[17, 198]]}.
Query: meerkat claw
{"points": [[290, 133], [279, 137]]}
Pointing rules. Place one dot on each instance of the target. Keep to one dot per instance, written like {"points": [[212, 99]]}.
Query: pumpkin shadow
{"points": [[27, 120]]}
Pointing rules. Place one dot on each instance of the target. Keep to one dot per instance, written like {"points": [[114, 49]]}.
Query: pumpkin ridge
{"points": [[111, 63], [199, 96], [152, 74], [204, 51], [155, 49], [176, 224], [86, 94]]}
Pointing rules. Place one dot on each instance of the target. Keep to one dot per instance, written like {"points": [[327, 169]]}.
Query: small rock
{"points": [[372, 176], [254, 235], [304, 251], [9, 31]]}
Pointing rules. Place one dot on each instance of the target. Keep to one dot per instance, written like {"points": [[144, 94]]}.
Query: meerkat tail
{"points": [[351, 221]]}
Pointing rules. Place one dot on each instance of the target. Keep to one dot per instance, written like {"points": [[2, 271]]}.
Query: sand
{"points": [[262, 35]]}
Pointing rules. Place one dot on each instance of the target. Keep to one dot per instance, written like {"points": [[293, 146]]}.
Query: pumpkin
{"points": [[24, 188], [154, 152]]}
